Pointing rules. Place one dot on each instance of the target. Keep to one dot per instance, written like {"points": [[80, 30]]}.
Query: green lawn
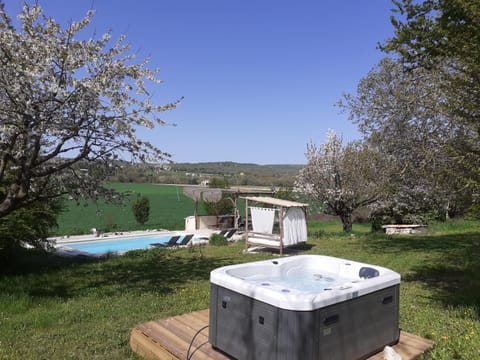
{"points": [[55, 308], [168, 209]]}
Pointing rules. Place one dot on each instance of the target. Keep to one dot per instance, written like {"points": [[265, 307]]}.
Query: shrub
{"points": [[30, 224], [141, 209], [218, 183], [473, 212], [222, 207], [217, 240]]}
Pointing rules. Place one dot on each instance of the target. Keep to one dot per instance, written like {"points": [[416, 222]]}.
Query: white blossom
{"points": [[341, 177], [66, 101]]}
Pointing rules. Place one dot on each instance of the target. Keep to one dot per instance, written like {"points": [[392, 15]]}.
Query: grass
{"points": [[168, 208], [56, 308]]}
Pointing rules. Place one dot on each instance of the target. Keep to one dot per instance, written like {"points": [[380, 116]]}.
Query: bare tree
{"points": [[69, 108], [343, 178]]}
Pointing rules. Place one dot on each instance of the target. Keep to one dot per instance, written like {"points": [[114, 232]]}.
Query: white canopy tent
{"points": [[291, 219]]}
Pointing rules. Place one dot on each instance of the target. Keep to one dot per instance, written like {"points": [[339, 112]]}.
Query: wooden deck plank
{"points": [[200, 345], [176, 333], [409, 347], [148, 348], [184, 333], [165, 339], [170, 338], [194, 320], [414, 346]]}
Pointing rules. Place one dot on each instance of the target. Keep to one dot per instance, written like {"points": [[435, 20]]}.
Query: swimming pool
{"points": [[118, 245]]}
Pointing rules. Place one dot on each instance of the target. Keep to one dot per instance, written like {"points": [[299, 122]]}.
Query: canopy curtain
{"points": [[262, 219], [294, 226]]}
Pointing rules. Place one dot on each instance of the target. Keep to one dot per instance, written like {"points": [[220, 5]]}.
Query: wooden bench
{"points": [[404, 228]]}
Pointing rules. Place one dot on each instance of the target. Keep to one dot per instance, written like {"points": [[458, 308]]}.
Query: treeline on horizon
{"points": [[240, 174]]}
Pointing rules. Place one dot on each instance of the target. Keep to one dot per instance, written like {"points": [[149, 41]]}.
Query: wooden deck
{"points": [[169, 339]]}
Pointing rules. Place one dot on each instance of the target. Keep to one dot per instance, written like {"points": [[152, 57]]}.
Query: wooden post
{"points": [[246, 225], [236, 212], [197, 225], [280, 215]]}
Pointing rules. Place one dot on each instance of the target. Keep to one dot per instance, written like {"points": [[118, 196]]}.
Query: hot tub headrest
{"points": [[368, 272]]}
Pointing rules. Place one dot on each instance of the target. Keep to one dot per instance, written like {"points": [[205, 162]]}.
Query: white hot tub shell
{"points": [[303, 307]]}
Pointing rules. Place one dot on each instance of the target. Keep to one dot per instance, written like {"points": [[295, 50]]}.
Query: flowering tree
{"points": [[403, 115], [69, 108], [442, 37], [343, 178], [434, 34]]}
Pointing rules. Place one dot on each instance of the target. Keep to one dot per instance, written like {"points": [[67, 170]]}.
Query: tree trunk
{"points": [[347, 221]]}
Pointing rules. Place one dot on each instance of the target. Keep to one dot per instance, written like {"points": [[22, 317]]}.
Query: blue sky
{"points": [[260, 77]]}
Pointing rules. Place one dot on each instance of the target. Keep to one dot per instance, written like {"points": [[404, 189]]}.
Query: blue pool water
{"points": [[119, 244]]}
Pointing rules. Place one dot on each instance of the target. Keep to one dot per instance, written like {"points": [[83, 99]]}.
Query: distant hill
{"points": [[233, 168], [240, 173]]}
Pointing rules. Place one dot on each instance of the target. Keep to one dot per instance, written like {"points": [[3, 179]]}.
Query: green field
{"points": [[168, 209], [61, 308]]}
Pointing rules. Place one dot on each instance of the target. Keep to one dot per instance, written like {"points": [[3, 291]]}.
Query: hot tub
{"points": [[303, 307]]}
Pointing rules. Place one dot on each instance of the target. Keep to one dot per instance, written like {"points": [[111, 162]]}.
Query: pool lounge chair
{"points": [[186, 239], [230, 233], [172, 242]]}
